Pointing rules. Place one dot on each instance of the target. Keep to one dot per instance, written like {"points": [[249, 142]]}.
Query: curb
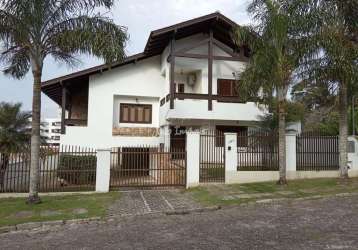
{"points": [[46, 224], [303, 198], [195, 210]]}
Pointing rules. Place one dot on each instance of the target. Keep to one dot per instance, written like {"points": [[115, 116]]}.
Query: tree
{"points": [[294, 113], [273, 61], [329, 36], [14, 137], [32, 30]]}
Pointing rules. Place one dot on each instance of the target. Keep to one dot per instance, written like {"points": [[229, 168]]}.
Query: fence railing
{"points": [[257, 151], [317, 152], [145, 166], [62, 169]]}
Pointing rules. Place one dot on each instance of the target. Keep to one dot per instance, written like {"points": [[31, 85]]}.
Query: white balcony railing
{"points": [[198, 109]]}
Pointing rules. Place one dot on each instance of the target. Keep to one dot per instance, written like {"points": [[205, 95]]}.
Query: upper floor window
{"points": [[135, 113], [227, 87]]}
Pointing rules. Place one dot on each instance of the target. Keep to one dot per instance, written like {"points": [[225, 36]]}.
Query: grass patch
{"points": [[213, 172], [240, 193], [15, 211]]}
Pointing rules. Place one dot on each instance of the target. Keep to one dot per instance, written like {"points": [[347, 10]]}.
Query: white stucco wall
{"points": [[141, 81]]}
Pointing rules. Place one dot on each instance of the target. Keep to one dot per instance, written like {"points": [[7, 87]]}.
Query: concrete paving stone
{"points": [[47, 213], [246, 196], [80, 211], [22, 214]]}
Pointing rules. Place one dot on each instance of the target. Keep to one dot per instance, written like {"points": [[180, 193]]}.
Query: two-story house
{"points": [[184, 79]]}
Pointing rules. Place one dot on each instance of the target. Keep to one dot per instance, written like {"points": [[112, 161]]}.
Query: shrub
{"points": [[77, 169]]}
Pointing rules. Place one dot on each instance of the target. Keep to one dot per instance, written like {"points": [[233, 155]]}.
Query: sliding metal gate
{"points": [[147, 167]]}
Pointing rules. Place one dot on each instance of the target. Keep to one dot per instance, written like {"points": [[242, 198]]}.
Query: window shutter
{"points": [[224, 87], [135, 113]]}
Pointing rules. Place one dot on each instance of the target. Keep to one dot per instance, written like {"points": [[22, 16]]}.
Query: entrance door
{"points": [[177, 140]]}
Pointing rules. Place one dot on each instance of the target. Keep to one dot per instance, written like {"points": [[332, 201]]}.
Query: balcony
{"points": [[195, 107], [76, 122]]}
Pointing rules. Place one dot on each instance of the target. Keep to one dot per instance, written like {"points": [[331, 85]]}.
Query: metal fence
{"points": [[257, 151], [212, 156], [145, 166], [317, 152], [62, 169]]}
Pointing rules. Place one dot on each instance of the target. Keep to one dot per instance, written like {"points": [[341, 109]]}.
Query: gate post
{"points": [[103, 170], [291, 154], [353, 156], [193, 158], [230, 156]]}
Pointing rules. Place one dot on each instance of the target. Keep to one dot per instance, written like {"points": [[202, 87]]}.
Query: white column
{"points": [[353, 157], [103, 170], [167, 136], [193, 159], [291, 153], [230, 156]]}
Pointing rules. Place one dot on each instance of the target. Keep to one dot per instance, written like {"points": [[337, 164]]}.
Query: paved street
{"points": [[312, 224]]}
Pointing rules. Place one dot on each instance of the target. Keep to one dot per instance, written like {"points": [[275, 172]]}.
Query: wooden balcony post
{"points": [[210, 71], [63, 105], [172, 72]]}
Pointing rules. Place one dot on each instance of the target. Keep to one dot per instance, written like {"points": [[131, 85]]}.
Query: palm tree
{"points": [[14, 136], [330, 54], [271, 67], [32, 30]]}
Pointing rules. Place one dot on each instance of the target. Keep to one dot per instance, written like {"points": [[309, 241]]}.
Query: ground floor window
{"points": [[135, 113], [240, 130]]}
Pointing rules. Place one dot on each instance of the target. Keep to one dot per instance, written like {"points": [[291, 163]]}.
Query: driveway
{"points": [[140, 202], [330, 223]]}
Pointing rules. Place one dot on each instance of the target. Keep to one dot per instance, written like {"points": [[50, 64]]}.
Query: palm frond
{"points": [[18, 62], [96, 36]]}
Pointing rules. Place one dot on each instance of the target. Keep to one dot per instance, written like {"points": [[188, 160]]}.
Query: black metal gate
{"points": [[212, 156], [147, 167]]}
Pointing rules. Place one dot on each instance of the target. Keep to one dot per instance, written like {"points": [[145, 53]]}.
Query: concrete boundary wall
{"points": [[233, 176]]}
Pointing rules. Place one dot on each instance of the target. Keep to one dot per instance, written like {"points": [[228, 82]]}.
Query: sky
{"points": [[140, 17]]}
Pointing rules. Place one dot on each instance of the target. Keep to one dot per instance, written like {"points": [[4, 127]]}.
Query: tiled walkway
{"points": [[151, 201]]}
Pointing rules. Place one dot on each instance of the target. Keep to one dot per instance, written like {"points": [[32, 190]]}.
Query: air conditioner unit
{"points": [[191, 79]]}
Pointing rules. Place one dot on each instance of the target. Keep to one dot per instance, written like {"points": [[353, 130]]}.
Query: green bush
{"points": [[77, 169]]}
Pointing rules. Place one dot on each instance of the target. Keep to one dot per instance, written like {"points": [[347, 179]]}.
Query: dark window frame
{"points": [[181, 88], [144, 106], [233, 91]]}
